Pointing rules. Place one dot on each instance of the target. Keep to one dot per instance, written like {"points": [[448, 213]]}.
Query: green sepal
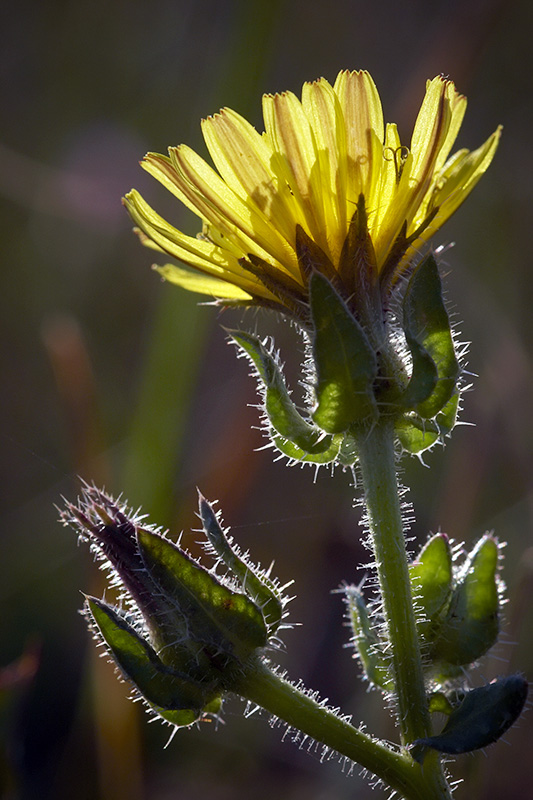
{"points": [[281, 411], [226, 621], [174, 696], [345, 363], [424, 375], [471, 624], [428, 335], [366, 640], [262, 590], [431, 580], [481, 719]]}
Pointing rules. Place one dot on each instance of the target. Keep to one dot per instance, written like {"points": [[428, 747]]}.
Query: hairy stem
{"points": [[378, 467], [301, 712]]}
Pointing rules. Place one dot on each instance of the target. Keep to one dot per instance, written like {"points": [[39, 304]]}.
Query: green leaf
{"points": [[481, 719], [428, 335], [164, 689], [348, 451], [471, 625], [346, 365], [215, 614], [281, 411], [431, 576], [262, 590], [365, 639]]}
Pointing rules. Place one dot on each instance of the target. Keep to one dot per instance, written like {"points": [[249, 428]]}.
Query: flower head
{"points": [[327, 187]]}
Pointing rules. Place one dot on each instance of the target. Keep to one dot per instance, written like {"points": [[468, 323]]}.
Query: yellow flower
{"points": [[285, 202]]}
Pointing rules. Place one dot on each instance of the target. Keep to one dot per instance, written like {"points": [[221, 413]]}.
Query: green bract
{"points": [[427, 332], [226, 621], [172, 695], [357, 370], [431, 581], [290, 429], [346, 366], [263, 591]]}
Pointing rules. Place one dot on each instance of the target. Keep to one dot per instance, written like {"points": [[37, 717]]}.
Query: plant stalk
{"points": [[302, 713], [377, 462]]}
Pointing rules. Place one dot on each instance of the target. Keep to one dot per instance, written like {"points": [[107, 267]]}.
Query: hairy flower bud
{"points": [[183, 634]]}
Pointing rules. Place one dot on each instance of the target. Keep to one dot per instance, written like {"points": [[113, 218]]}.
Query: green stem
{"points": [[301, 712], [378, 467], [377, 462]]}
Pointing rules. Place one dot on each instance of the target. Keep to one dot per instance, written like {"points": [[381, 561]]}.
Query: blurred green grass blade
{"points": [[173, 357]]}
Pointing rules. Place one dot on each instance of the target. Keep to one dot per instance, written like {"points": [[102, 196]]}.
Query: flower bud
{"points": [[184, 635], [470, 625], [366, 641]]}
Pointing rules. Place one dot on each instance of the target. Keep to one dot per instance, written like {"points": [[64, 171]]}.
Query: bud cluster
{"points": [[458, 610]]}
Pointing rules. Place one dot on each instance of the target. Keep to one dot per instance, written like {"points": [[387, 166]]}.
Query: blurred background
{"points": [[113, 376]]}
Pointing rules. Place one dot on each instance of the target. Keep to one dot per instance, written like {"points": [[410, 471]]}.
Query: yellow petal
{"points": [[203, 284], [457, 103], [431, 128], [363, 119], [295, 158], [224, 209], [458, 178], [322, 108], [243, 158], [199, 253]]}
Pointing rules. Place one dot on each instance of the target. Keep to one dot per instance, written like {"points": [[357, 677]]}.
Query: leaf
{"points": [[424, 375], [296, 453], [447, 416], [428, 335], [415, 434], [346, 365], [481, 719]]}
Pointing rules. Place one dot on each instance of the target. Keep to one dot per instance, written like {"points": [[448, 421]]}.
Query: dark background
{"points": [[110, 374]]}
